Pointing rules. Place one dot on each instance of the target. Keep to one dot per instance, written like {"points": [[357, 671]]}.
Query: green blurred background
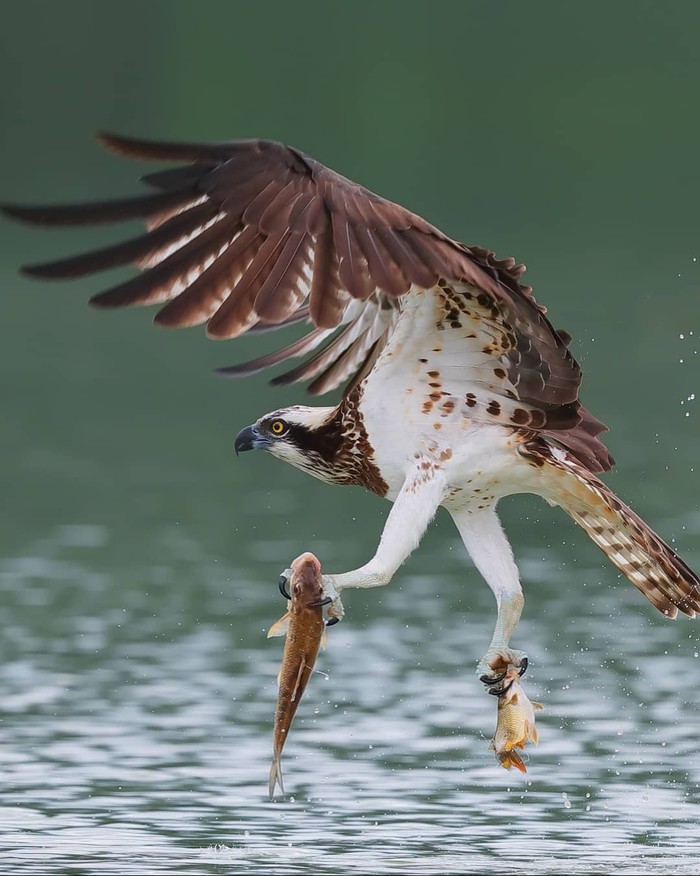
{"points": [[565, 134]]}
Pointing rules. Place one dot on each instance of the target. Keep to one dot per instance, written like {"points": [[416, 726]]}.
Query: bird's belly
{"points": [[485, 466]]}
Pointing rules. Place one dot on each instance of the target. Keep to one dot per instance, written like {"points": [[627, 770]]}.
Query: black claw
{"points": [[499, 691], [492, 679], [332, 621], [523, 666], [284, 588], [325, 601]]}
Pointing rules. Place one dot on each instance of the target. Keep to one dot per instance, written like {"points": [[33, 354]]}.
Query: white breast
{"points": [[440, 389]]}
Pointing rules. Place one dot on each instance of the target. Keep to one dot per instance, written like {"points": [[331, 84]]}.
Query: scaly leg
{"points": [[412, 511], [491, 552]]}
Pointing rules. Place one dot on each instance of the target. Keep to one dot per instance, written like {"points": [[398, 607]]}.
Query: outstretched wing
{"points": [[254, 235], [249, 233]]}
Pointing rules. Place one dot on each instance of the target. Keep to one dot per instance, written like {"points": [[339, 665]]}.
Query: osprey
{"points": [[459, 390]]}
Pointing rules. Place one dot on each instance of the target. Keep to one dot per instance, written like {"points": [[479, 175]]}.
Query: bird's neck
{"points": [[338, 449]]}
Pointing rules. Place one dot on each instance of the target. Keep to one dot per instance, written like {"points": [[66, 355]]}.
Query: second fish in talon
{"points": [[515, 724]]}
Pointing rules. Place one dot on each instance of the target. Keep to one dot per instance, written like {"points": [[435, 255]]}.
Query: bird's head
{"points": [[305, 437]]}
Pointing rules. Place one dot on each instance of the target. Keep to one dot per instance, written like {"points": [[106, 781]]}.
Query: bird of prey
{"points": [[458, 390]]}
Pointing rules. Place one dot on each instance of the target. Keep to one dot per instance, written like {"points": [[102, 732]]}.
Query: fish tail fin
{"points": [[511, 758], [276, 775]]}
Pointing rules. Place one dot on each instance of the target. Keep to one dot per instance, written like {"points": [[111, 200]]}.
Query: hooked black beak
{"points": [[249, 439]]}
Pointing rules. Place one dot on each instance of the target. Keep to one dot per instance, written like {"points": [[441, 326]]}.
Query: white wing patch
{"points": [[448, 353]]}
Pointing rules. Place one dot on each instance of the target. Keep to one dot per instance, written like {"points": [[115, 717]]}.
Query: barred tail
{"points": [[638, 552]]}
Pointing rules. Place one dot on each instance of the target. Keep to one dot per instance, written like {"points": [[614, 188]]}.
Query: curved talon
{"points": [[331, 592], [523, 667], [488, 679], [325, 601], [332, 621], [500, 691], [284, 587]]}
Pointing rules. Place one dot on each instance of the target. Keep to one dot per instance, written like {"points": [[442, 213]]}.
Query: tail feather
{"points": [[638, 552]]}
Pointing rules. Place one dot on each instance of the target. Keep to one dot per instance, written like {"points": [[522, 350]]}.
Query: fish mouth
{"points": [[250, 439]]}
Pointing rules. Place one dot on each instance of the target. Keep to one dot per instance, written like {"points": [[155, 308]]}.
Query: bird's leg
{"points": [[412, 511], [491, 553]]}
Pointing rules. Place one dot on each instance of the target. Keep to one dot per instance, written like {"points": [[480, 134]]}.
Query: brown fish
{"points": [[515, 724], [304, 627]]}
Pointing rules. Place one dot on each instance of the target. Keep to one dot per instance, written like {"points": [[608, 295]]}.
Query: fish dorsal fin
{"points": [[280, 627]]}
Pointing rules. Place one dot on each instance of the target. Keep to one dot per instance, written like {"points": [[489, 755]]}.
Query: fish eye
{"points": [[278, 427]]}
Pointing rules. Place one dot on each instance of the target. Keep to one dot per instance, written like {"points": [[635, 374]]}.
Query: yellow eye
{"points": [[278, 427]]}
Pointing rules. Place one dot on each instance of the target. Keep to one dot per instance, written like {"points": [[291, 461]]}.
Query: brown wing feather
{"points": [[377, 245], [290, 233], [132, 251], [122, 210]]}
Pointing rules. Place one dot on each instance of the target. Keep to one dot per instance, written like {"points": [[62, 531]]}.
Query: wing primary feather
{"points": [[154, 285], [92, 213], [161, 150], [128, 251], [187, 175]]}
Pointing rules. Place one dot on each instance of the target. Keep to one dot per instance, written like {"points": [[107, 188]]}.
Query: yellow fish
{"points": [[515, 725]]}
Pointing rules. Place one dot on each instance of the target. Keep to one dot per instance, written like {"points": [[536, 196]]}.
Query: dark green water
{"points": [[139, 557]]}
